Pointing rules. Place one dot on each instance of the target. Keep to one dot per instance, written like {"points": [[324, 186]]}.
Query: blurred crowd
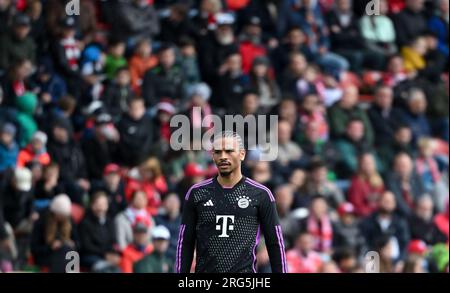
{"points": [[86, 102]]}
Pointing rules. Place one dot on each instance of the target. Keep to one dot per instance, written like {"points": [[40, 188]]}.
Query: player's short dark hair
{"points": [[230, 134]]}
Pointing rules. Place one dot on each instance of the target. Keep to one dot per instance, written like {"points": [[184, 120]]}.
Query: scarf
{"points": [[422, 163], [322, 232]]}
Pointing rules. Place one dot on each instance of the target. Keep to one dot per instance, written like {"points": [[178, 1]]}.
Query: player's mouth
{"points": [[224, 164]]}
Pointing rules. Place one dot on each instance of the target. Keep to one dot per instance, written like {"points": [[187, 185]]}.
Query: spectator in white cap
{"points": [[35, 151], [54, 235], [157, 262]]}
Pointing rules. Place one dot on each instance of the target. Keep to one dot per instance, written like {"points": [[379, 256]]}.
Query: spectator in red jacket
{"points": [[148, 177], [302, 258], [366, 186], [251, 45], [35, 151], [136, 250]]}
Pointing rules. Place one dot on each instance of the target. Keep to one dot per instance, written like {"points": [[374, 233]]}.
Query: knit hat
{"points": [[166, 105], [9, 128], [40, 136], [200, 89], [22, 177], [61, 205]]}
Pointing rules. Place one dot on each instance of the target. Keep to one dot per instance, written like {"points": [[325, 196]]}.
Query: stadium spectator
{"points": [[366, 186], [65, 152], [319, 183], [170, 218], [318, 224], [263, 83], [102, 141], [422, 225], [115, 58], [384, 117], [54, 234], [18, 44], [113, 185], [157, 261], [136, 131], [97, 236], [136, 212], [347, 235], [404, 182], [350, 147], [35, 151], [345, 109], [141, 61], [48, 186], [430, 173], [410, 22], [137, 250], [385, 229], [117, 94], [9, 150], [134, 20], [379, 33], [302, 258], [166, 80], [438, 25]]}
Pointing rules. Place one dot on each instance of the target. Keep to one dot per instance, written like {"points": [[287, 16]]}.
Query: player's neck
{"points": [[229, 181]]}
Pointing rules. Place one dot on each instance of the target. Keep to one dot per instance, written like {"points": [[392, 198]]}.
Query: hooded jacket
{"points": [[26, 105]]}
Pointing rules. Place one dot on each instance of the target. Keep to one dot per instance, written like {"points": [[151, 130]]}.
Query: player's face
{"points": [[227, 155]]}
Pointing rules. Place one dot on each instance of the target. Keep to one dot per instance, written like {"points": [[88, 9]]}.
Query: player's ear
{"points": [[242, 155]]}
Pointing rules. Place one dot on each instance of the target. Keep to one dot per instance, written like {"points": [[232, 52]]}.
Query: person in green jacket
{"points": [[17, 44], [115, 58], [346, 109], [156, 262], [26, 106]]}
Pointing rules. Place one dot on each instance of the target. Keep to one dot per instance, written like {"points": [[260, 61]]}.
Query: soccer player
{"points": [[224, 216]]}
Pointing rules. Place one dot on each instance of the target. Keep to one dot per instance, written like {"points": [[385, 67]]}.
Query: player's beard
{"points": [[226, 173]]}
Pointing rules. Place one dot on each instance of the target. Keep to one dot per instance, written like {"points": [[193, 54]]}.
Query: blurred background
{"points": [[86, 102]]}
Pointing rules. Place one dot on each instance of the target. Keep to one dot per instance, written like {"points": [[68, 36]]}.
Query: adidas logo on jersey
{"points": [[209, 203]]}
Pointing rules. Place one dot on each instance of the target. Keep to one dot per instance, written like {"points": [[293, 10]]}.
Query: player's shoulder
{"points": [[259, 189], [201, 185]]}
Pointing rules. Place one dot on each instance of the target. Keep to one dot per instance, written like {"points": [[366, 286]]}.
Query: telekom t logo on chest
{"points": [[224, 225]]}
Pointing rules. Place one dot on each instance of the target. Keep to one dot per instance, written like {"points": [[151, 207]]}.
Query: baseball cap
{"points": [[111, 168], [140, 227], [166, 105], [193, 170], [160, 232], [345, 208], [22, 177], [417, 246]]}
